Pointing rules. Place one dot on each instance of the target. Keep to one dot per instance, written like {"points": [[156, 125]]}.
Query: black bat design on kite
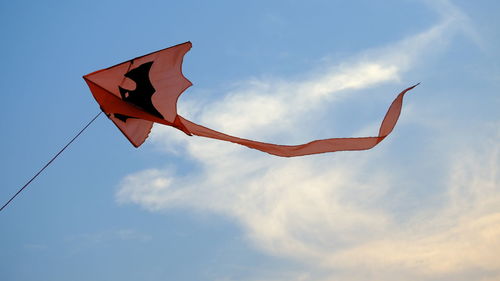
{"points": [[143, 92]]}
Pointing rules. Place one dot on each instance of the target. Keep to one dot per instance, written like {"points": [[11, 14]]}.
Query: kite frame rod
{"points": [[50, 161]]}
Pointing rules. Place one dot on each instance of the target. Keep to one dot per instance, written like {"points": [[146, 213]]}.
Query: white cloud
{"points": [[331, 212], [332, 218], [459, 237]]}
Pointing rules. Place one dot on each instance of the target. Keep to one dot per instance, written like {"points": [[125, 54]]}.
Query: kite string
{"points": [[50, 161]]}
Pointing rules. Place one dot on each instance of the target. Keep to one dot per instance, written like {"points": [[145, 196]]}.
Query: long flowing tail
{"points": [[313, 147]]}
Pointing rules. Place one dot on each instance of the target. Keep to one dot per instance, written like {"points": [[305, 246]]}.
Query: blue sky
{"points": [[423, 205]]}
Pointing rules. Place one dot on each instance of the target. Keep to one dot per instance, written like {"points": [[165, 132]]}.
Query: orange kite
{"points": [[143, 90]]}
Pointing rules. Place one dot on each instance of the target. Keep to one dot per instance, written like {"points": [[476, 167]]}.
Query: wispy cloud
{"points": [[333, 213], [253, 107], [110, 236], [36, 247]]}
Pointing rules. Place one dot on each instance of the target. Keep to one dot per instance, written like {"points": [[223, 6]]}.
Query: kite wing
{"points": [[138, 92]]}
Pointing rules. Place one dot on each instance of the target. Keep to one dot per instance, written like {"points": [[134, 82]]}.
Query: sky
{"points": [[422, 205]]}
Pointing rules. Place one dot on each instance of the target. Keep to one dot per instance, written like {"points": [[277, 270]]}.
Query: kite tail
{"points": [[313, 147]]}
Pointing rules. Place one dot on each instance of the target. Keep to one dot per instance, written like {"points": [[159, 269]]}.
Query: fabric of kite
{"points": [[138, 92]]}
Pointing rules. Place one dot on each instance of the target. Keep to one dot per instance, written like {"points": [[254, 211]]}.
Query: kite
{"points": [[144, 90]]}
